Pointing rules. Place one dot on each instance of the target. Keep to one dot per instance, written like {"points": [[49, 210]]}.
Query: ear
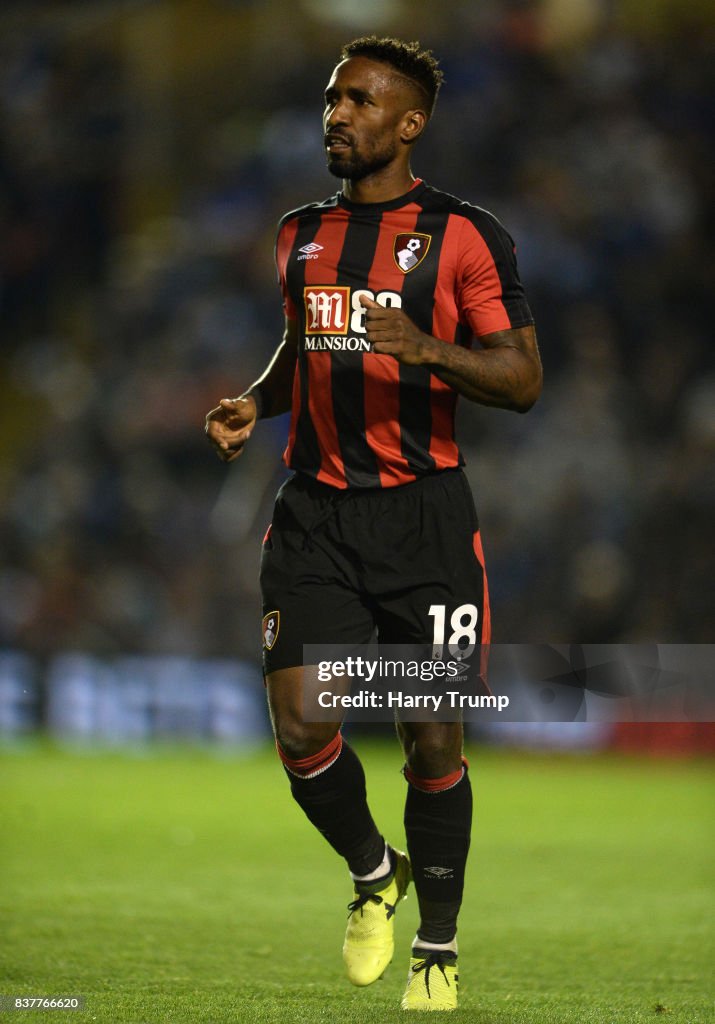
{"points": [[413, 124]]}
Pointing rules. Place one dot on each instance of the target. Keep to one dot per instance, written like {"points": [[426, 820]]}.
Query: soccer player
{"points": [[385, 287]]}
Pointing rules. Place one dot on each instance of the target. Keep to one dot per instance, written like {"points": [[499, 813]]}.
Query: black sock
{"points": [[438, 827], [335, 801]]}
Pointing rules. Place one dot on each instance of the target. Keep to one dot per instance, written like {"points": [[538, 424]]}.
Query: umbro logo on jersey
{"points": [[410, 249], [310, 251]]}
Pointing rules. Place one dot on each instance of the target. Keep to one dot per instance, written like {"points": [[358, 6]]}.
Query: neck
{"points": [[381, 187]]}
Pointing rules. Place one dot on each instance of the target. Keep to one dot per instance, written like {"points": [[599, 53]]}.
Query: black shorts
{"points": [[404, 561]]}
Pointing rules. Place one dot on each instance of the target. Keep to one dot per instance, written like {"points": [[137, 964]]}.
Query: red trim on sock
{"points": [[437, 785], [316, 763]]}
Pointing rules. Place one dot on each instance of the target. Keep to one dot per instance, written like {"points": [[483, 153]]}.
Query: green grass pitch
{"points": [[179, 886]]}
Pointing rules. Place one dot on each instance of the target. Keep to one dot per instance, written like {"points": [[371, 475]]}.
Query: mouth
{"points": [[336, 143]]}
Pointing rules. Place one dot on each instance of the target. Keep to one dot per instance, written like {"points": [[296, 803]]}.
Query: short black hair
{"points": [[408, 59]]}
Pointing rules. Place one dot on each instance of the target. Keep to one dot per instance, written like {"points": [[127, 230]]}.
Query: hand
{"points": [[230, 425], [391, 332]]}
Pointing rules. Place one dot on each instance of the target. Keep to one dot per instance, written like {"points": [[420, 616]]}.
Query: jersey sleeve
{"points": [[490, 295], [284, 244]]}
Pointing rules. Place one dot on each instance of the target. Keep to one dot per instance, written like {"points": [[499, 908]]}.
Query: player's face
{"points": [[365, 106]]}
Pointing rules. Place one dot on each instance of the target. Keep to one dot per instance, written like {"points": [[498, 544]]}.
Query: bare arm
{"points": [[505, 372], [231, 423]]}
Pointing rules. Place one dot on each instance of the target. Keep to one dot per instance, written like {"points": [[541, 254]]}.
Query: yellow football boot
{"points": [[369, 938], [432, 981]]}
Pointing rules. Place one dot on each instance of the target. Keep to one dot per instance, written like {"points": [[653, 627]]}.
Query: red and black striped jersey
{"points": [[360, 419]]}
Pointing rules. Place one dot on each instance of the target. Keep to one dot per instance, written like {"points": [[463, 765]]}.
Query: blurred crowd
{"points": [[139, 193]]}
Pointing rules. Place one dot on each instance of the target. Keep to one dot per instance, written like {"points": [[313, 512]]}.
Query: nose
{"points": [[336, 114]]}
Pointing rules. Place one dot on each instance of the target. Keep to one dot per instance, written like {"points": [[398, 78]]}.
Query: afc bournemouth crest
{"points": [[271, 625], [410, 249]]}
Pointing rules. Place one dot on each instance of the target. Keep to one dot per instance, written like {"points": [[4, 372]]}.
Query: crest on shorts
{"points": [[410, 249], [271, 624]]}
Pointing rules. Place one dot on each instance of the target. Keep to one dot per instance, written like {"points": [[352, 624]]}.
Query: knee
{"points": [[298, 739], [435, 752]]}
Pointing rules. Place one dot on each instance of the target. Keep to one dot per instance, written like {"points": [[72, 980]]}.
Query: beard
{"points": [[354, 166]]}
